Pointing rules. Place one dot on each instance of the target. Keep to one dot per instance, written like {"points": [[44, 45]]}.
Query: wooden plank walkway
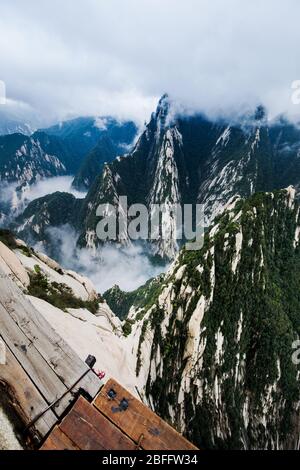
{"points": [[90, 430], [109, 424], [138, 421], [40, 365], [25, 397], [59, 441]]}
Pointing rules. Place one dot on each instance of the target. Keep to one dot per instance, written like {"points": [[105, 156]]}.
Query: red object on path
{"points": [[100, 373]]}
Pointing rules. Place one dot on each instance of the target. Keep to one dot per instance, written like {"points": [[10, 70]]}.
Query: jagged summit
{"points": [[159, 118], [260, 113], [163, 106], [163, 101]]}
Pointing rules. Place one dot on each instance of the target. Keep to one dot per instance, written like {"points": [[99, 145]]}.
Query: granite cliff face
{"points": [[25, 159], [214, 345]]}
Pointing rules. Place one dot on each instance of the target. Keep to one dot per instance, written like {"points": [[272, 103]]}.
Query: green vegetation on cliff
{"points": [[59, 295], [222, 337]]}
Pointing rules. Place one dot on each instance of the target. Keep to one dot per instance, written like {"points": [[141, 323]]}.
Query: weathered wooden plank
{"points": [[137, 421], [58, 441], [56, 352], [44, 378], [90, 430], [53, 348], [90, 383], [27, 400]]}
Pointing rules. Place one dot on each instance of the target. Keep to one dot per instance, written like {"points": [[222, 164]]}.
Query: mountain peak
{"points": [[163, 108], [164, 99], [260, 113]]}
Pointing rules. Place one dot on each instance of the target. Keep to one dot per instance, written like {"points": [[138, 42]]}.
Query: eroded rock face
{"points": [[8, 437], [214, 348], [81, 287], [13, 267], [99, 335]]}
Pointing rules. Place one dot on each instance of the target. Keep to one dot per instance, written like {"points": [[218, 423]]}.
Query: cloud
{"points": [[127, 267], [111, 57], [14, 200], [51, 185]]}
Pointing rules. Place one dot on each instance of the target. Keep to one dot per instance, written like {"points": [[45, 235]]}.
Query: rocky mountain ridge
{"points": [[191, 160], [214, 346]]}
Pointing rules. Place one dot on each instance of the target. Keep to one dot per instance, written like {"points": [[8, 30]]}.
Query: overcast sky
{"points": [[80, 57]]}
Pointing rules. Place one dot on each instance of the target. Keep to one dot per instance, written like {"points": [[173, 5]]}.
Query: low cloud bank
{"points": [[129, 267], [51, 185], [13, 199]]}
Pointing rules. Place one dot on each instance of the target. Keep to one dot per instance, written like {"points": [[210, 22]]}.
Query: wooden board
{"points": [[27, 401], [57, 353], [42, 375], [45, 379], [90, 430], [58, 441], [41, 366], [138, 421]]}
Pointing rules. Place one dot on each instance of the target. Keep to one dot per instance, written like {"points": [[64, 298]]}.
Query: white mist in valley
{"points": [[15, 198], [51, 185], [128, 267]]}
